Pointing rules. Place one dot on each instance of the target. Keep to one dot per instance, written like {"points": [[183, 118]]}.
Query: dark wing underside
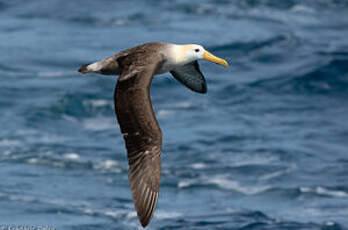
{"points": [[191, 76], [142, 135]]}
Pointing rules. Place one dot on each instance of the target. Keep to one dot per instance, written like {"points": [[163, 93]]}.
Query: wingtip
{"points": [[146, 219], [204, 89], [146, 208], [144, 223]]}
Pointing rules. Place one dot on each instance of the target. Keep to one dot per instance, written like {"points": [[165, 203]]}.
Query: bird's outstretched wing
{"points": [[142, 135], [191, 76]]}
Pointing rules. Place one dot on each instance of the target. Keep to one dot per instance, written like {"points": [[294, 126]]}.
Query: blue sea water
{"points": [[265, 148]]}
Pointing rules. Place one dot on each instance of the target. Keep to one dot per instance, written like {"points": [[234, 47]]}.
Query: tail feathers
{"points": [[92, 67], [84, 69], [106, 66]]}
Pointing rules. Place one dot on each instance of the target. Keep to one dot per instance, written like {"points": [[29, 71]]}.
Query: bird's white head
{"points": [[188, 53], [194, 52]]}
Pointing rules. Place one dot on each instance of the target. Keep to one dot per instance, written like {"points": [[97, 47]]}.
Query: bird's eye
{"points": [[196, 50]]}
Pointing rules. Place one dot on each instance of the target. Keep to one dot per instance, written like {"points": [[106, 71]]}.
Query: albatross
{"points": [[141, 132]]}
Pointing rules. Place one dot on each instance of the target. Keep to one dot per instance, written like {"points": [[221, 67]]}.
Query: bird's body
{"points": [[140, 129]]}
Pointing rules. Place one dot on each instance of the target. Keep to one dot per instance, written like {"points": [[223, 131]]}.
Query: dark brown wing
{"points": [[142, 135], [191, 76]]}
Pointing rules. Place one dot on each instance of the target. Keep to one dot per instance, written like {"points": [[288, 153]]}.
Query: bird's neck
{"points": [[178, 55]]}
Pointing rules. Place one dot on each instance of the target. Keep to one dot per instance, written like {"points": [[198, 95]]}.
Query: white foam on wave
{"points": [[273, 175], [330, 223], [185, 183], [236, 186], [54, 159], [244, 160], [164, 113], [51, 74], [23, 198], [301, 9], [33, 160], [26, 131], [49, 139], [108, 165], [88, 211], [278, 173], [224, 183], [324, 191], [98, 102], [121, 21], [182, 105], [170, 109], [110, 213], [132, 214], [198, 166], [99, 123], [166, 215], [114, 214], [9, 142], [69, 118], [71, 156]]}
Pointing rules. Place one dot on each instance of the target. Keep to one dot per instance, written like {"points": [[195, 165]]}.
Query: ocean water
{"points": [[265, 148]]}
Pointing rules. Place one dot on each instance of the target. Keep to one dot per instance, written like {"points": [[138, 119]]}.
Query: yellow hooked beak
{"points": [[208, 56]]}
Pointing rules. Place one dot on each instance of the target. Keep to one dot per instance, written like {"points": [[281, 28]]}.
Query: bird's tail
{"points": [[84, 68], [107, 66]]}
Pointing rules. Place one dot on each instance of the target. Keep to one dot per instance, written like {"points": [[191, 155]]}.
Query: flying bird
{"points": [[141, 132]]}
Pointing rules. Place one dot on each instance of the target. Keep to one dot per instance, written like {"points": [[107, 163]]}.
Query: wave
{"points": [[329, 78], [325, 191], [306, 193], [11, 69], [222, 182], [3, 5], [239, 53], [55, 74], [244, 220], [72, 161], [127, 20], [284, 5], [99, 14], [99, 123], [91, 14], [79, 106], [245, 56], [95, 110], [248, 46], [7, 142]]}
